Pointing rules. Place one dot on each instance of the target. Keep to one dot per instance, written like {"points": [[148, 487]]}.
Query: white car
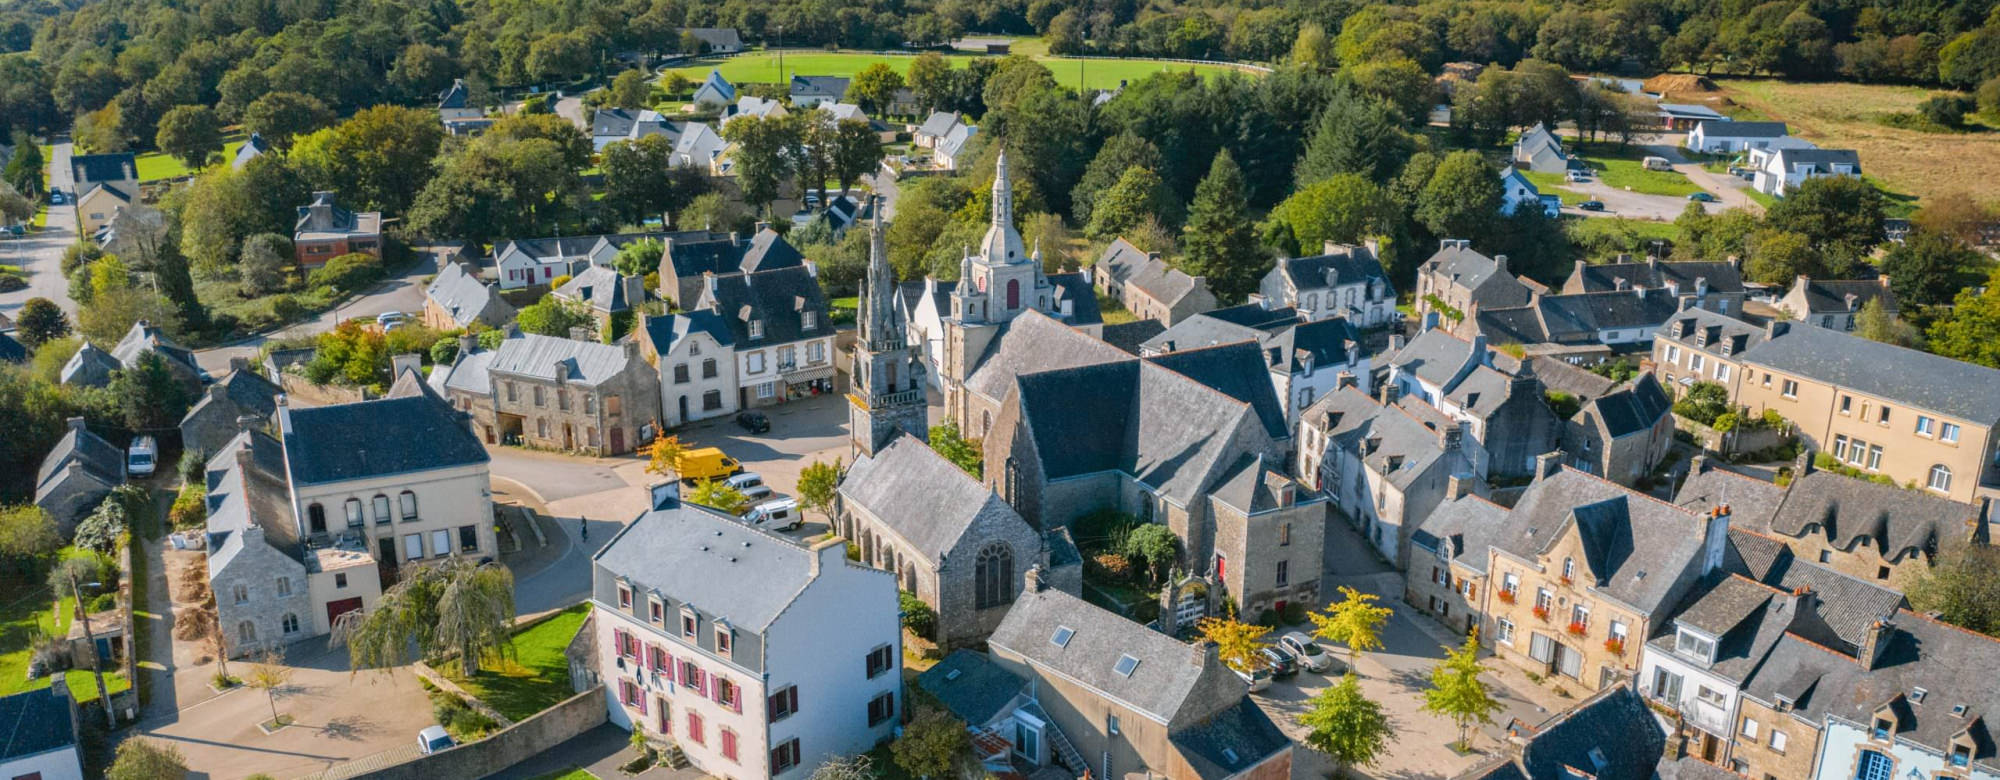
{"points": [[1258, 679], [1311, 656], [434, 739], [750, 484], [782, 514], [142, 457]]}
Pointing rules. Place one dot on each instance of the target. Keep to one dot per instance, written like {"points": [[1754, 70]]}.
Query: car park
{"points": [[1281, 663], [142, 457], [434, 739], [1308, 652], [754, 422], [781, 515], [750, 484]]}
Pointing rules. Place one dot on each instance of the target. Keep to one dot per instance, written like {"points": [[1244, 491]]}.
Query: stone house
{"points": [[573, 396], [1539, 150], [1147, 286], [76, 475], [1566, 597], [1385, 467], [466, 386], [1307, 358], [695, 355], [757, 656], [90, 367], [218, 416], [1344, 281], [524, 262], [1836, 304], [1579, 328], [1501, 398], [1446, 577], [1270, 537], [274, 585], [1455, 282], [104, 184], [458, 298], [949, 539], [144, 337], [1879, 533], [780, 330], [1703, 284], [422, 494], [1108, 697], [605, 293], [689, 258], [325, 231], [1623, 435]]}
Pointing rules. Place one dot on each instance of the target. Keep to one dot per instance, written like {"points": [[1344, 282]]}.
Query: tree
{"points": [[454, 605], [1462, 199], [1218, 241], [14, 207], [1156, 545], [1346, 208], [279, 117], [27, 533], [1457, 693], [641, 180], [932, 744], [268, 675], [1875, 323], [1120, 153], [373, 158], [24, 170], [856, 767], [1963, 587], [1346, 725], [39, 321], [552, 316], [857, 150], [761, 158], [1779, 256], [1971, 332], [192, 134], [266, 263], [1929, 266], [521, 176], [149, 395], [1356, 135], [1236, 642], [1138, 194], [1355, 620], [874, 88], [818, 483], [930, 78], [1839, 216], [719, 495], [640, 257], [630, 90], [948, 442], [1312, 49], [145, 759], [667, 451]]}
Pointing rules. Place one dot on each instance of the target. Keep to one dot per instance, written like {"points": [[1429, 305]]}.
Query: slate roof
{"points": [[344, 441], [454, 96], [600, 287], [12, 351], [1075, 289], [540, 357], [1721, 277], [1578, 316], [145, 337], [699, 145], [1560, 376], [1032, 343], [979, 691], [1205, 330], [1894, 520], [34, 722], [1129, 336], [1610, 736], [768, 251], [954, 141], [1793, 158], [720, 85], [1231, 741], [1349, 265], [253, 147], [463, 295], [1634, 409], [632, 124], [96, 168], [240, 498], [323, 217], [1634, 544], [1723, 128], [1846, 605], [667, 330], [828, 87], [1172, 676], [247, 391], [1434, 356], [1716, 334], [1939, 384], [1235, 370], [777, 298], [1151, 275], [938, 124], [1469, 523], [712, 562], [467, 373], [717, 37], [1689, 110], [1831, 295], [1253, 486], [1389, 439], [1751, 501], [97, 456], [921, 496]]}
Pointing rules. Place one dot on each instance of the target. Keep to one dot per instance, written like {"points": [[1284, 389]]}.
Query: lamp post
{"points": [[96, 662]]}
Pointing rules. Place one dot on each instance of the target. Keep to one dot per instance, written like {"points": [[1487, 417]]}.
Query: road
{"points": [[40, 253], [1730, 192], [403, 292]]}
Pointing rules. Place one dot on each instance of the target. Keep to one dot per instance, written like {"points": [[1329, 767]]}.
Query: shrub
{"points": [[190, 507], [558, 282], [193, 462], [1268, 618], [347, 273], [102, 602], [1725, 422], [444, 351], [100, 531], [1295, 613], [1946, 110], [918, 617], [286, 306], [1114, 565]]}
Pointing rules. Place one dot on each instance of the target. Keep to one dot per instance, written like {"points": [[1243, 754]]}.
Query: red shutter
{"points": [[618, 641], [736, 704], [729, 744], [641, 701]]}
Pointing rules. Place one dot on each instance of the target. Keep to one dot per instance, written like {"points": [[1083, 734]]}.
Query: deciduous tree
{"points": [[1930, 266], [1971, 332], [1463, 197], [818, 483], [146, 759], [1457, 693], [932, 744], [630, 90], [453, 605], [1236, 642], [266, 262], [874, 87], [1138, 194], [269, 674], [39, 321], [192, 134], [279, 117], [1355, 621], [719, 495], [1963, 587], [1346, 725]]}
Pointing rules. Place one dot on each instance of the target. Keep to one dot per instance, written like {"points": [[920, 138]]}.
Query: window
{"points": [[1688, 644], [881, 708], [692, 676], [711, 400], [381, 508], [725, 641], [1126, 666], [1543, 598], [624, 597], [816, 352], [1949, 432], [880, 660], [767, 389], [1883, 728], [782, 704], [1750, 728], [1873, 766], [1924, 425], [1569, 568], [1504, 628], [354, 513], [726, 692], [1940, 478], [1779, 741], [1790, 389], [440, 542], [340, 579], [808, 320], [1767, 379], [1883, 416], [785, 756], [1874, 456], [409, 502], [1666, 685], [728, 744], [540, 400], [1619, 630], [1673, 354], [756, 329], [1580, 615], [680, 373], [1285, 535], [413, 547], [1961, 754], [589, 402], [1721, 371], [513, 394], [695, 731], [688, 623], [562, 400], [1840, 447], [1284, 573], [708, 368], [468, 538], [1857, 452], [993, 577], [656, 610], [290, 623], [754, 363], [1846, 404], [1695, 362], [246, 631], [694, 347], [542, 427], [241, 593]]}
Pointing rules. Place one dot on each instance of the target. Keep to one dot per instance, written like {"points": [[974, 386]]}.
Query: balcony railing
{"points": [[897, 398]]}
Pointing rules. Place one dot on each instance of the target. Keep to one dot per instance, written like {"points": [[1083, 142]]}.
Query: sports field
{"points": [[1070, 72]]}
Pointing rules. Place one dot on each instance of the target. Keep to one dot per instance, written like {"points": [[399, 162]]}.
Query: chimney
{"points": [[1872, 644], [1152, 257], [1580, 265], [1205, 654], [248, 422], [1776, 327], [763, 226], [1031, 580], [1638, 291], [1451, 436], [1698, 464], [77, 424], [467, 342], [1374, 246], [1621, 283], [1701, 285], [239, 364], [244, 457], [1803, 465], [828, 553], [635, 291], [1547, 464], [1390, 392], [1714, 538], [1344, 380], [1500, 263], [1673, 287], [1395, 342], [631, 346], [217, 390], [562, 371], [1459, 485]]}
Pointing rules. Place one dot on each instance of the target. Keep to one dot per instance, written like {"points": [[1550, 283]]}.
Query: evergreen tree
{"points": [[1218, 242], [24, 170], [1123, 151], [1356, 135]]}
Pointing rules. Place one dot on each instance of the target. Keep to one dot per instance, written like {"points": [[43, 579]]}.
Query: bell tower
{"points": [[887, 396]]}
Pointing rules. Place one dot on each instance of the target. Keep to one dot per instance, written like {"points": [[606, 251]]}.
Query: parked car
{"points": [[1308, 652], [142, 457], [55, 197], [754, 422], [1657, 164], [1576, 175], [1591, 205], [1701, 197], [434, 739], [782, 514], [1282, 663], [1258, 679], [389, 318], [750, 484], [705, 463]]}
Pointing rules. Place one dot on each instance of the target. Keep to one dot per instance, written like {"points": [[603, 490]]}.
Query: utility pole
{"points": [[96, 661]]}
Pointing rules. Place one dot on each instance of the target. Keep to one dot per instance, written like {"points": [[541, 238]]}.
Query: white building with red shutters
{"points": [[757, 656]]}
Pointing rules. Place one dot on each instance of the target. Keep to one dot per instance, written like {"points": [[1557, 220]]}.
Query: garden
{"points": [[533, 677]]}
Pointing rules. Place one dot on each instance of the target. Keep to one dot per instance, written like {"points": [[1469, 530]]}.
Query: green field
{"points": [[1624, 169], [1070, 72], [1553, 184], [536, 678], [154, 166]]}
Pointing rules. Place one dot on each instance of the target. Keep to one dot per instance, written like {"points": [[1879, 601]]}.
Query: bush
{"points": [[102, 602], [1295, 613], [347, 273], [193, 463], [1114, 565], [190, 508], [1268, 618], [558, 282], [1703, 403], [918, 617], [444, 351], [1724, 422], [100, 531], [1946, 110], [286, 307]]}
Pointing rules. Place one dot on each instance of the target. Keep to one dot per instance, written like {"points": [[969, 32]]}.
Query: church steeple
{"points": [[887, 395], [1002, 245], [878, 313]]}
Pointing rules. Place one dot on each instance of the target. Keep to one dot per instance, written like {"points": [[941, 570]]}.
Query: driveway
{"points": [[1627, 204], [40, 253], [402, 292]]}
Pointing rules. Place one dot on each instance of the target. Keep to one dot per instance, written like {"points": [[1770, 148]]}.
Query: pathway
{"points": [[40, 252]]}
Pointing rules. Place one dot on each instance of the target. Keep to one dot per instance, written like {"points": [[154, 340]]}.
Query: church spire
{"points": [[1002, 245], [1003, 193], [878, 318]]}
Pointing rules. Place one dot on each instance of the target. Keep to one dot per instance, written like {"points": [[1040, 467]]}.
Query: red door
{"points": [[334, 609], [617, 440]]}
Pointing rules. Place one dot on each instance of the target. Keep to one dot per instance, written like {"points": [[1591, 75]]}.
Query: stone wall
{"points": [[506, 747]]}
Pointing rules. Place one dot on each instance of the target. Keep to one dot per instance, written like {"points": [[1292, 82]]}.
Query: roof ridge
{"points": [[1828, 650], [1676, 507], [1764, 585], [1941, 622]]}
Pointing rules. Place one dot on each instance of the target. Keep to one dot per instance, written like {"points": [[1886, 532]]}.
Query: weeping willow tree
{"points": [[453, 605]]}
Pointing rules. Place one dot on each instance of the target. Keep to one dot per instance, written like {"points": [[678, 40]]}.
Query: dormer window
{"points": [[725, 640], [1694, 645], [1917, 695], [688, 623], [756, 329], [1884, 726], [808, 320]]}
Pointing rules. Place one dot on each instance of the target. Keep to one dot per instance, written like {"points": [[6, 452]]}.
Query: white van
{"points": [[782, 514], [750, 484], [142, 457]]}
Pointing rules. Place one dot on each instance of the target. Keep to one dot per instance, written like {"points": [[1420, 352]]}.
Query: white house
{"points": [[1780, 170], [780, 329], [41, 735], [951, 147], [697, 359], [1307, 359], [700, 147], [1726, 137], [611, 125], [1517, 191], [715, 92], [934, 129], [922, 307], [1345, 281], [530, 261], [760, 657]]}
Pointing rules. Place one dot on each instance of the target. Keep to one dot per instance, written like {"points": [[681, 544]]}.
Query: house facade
{"points": [[573, 396], [104, 185], [756, 656], [1385, 467], [1307, 359], [1456, 282], [1517, 193], [218, 416], [1779, 171], [1836, 304], [525, 262], [1540, 151], [325, 231], [1463, 380], [694, 354], [1344, 281], [781, 334], [1624, 434], [76, 475], [1728, 137], [1147, 286]]}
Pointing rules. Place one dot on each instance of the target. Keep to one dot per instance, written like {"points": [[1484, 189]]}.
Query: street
{"points": [[40, 253]]}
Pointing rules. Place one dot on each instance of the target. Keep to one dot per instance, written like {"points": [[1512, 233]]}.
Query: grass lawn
{"points": [[1112, 312], [1624, 170], [154, 166], [1848, 116], [536, 678], [1070, 72], [1554, 184], [26, 610], [1762, 199]]}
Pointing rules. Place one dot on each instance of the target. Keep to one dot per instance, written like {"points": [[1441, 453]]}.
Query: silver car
{"points": [[1311, 656]]}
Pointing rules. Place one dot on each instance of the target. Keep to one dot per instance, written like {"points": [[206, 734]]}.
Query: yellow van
{"points": [[705, 463]]}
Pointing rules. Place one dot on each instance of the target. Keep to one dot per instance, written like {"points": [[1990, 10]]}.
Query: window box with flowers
{"points": [[1577, 629], [1615, 646], [1541, 613], [1565, 580], [1506, 597]]}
